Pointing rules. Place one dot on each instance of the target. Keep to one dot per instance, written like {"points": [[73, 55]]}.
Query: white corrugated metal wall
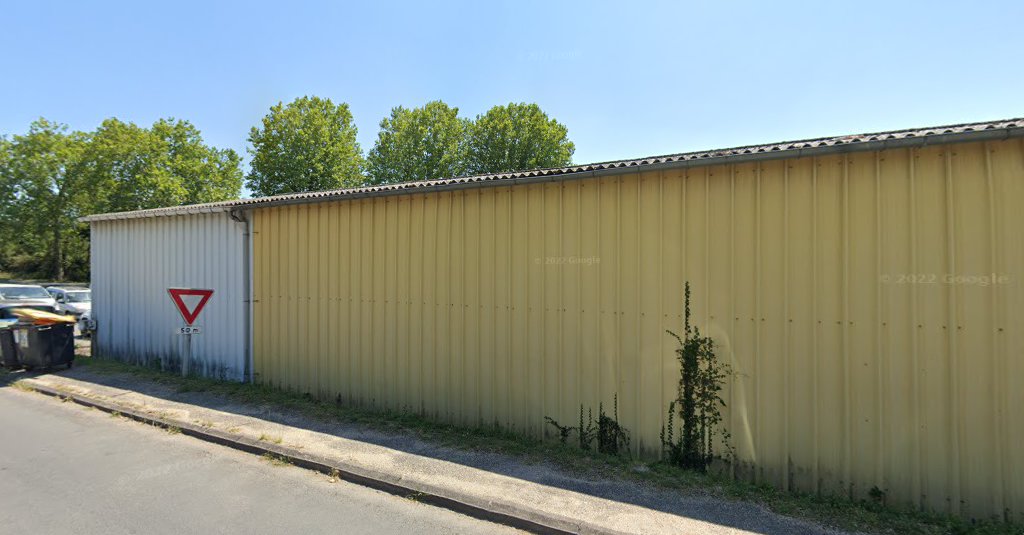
{"points": [[135, 261]]}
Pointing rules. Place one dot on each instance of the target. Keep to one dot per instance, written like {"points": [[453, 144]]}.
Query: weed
{"points": [[611, 437], [270, 438], [173, 430], [563, 431], [276, 460]]}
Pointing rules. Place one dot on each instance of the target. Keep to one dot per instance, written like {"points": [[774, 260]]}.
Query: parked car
{"points": [[85, 324], [27, 295], [6, 308], [71, 301]]}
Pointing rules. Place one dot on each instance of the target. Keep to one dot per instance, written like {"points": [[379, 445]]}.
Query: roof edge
{"points": [[971, 132]]}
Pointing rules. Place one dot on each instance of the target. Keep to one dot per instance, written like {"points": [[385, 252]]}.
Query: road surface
{"points": [[68, 469]]}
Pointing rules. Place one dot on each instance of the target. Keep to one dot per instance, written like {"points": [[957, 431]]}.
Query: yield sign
{"points": [[191, 310]]}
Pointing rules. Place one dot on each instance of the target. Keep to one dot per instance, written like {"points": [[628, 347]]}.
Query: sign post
{"points": [[189, 312]]}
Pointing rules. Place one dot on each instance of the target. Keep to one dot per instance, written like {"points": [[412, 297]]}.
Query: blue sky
{"points": [[629, 79]]}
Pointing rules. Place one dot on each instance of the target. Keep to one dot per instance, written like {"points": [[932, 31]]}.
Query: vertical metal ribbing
{"points": [[918, 483], [448, 308], [478, 409], [526, 292], [954, 386], [543, 307], [881, 356], [732, 292], [600, 293], [998, 374], [787, 327], [618, 281], [561, 297], [355, 299], [845, 331], [493, 379], [511, 311], [303, 302], [707, 253], [815, 321], [416, 399], [462, 388], [758, 273], [250, 305], [580, 356], [313, 383], [371, 232], [661, 277], [638, 386]]}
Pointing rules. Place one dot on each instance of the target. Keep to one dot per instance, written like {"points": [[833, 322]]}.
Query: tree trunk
{"points": [[58, 253]]}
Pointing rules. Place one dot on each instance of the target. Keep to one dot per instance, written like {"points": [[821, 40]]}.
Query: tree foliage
{"points": [[133, 168], [49, 177], [419, 144], [516, 137], [38, 173], [307, 145]]}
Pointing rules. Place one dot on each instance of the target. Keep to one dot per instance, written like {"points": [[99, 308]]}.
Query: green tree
{"points": [[419, 144], [120, 165], [128, 167], [44, 194], [517, 137], [49, 178], [207, 174], [7, 203], [308, 145]]}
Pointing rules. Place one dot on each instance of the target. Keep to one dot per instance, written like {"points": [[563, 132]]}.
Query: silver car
{"points": [[71, 301], [74, 301], [26, 294]]}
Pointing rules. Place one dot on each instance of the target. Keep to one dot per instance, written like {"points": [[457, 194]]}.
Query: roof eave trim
{"points": [[788, 153]]}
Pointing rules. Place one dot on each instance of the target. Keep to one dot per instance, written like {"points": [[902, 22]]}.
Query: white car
{"points": [[26, 294], [71, 301]]}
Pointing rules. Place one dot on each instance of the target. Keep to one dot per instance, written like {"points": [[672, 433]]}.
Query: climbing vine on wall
{"points": [[698, 400]]}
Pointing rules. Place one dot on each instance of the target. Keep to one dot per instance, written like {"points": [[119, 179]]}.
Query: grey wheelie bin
{"points": [[45, 346]]}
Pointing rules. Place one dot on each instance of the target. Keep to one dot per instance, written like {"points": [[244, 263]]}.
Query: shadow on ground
{"points": [[735, 514]]}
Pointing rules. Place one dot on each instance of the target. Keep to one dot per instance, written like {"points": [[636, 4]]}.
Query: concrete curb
{"points": [[522, 518]]}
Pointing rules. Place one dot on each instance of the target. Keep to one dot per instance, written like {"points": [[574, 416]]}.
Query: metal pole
{"points": [[188, 354]]}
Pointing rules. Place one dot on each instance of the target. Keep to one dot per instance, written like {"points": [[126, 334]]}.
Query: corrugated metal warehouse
{"points": [[134, 263], [866, 291]]}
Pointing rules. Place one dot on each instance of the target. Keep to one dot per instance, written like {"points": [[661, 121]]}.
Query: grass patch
{"points": [[270, 438], [173, 430], [833, 511], [276, 460], [20, 384]]}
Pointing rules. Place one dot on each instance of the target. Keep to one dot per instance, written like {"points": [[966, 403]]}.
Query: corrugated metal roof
{"points": [[787, 149]]}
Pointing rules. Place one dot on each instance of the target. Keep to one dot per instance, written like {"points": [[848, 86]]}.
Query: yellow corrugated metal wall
{"points": [[823, 281]]}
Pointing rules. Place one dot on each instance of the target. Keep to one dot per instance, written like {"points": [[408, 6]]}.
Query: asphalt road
{"points": [[68, 469]]}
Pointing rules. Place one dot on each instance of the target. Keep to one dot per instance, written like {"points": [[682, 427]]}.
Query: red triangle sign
{"points": [[189, 315]]}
